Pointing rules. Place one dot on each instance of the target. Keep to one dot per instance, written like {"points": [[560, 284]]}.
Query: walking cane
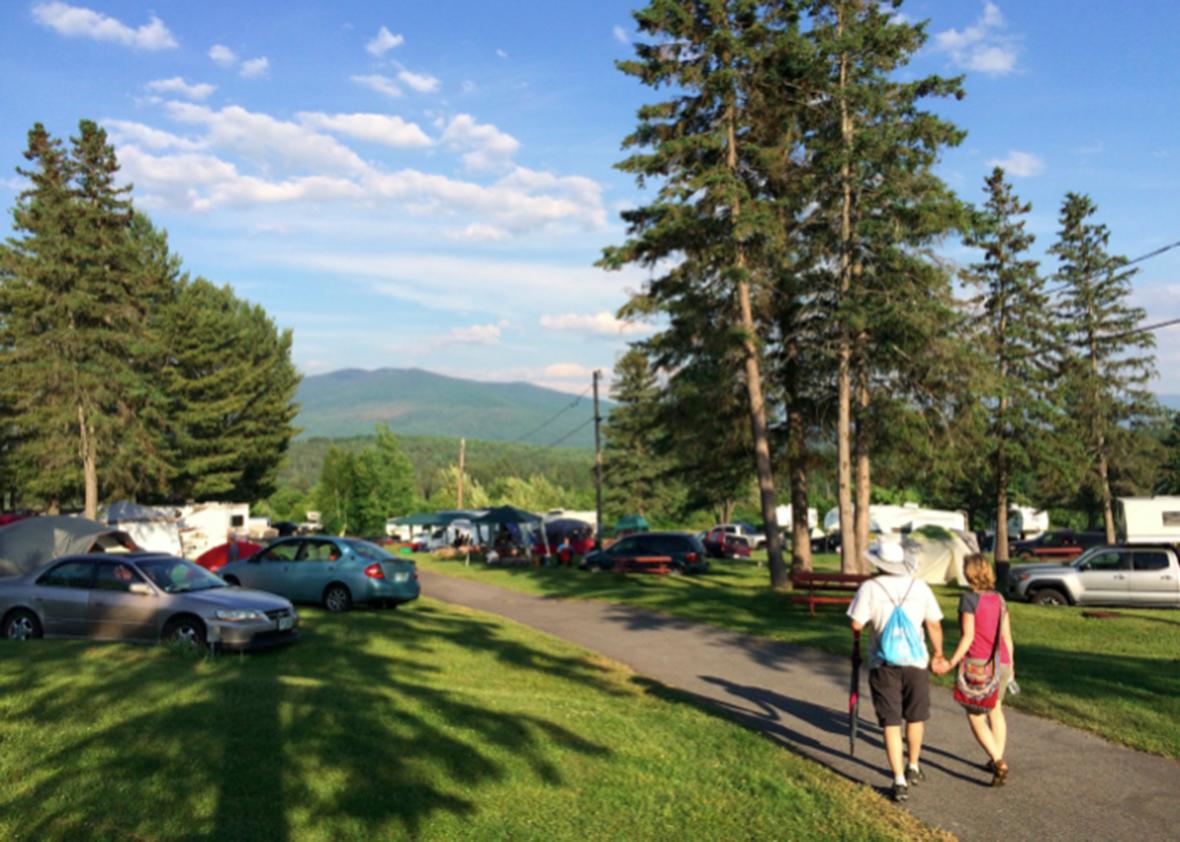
{"points": [[854, 695]]}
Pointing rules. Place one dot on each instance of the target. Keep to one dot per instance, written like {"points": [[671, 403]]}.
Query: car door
{"points": [[115, 613], [1104, 578], [621, 551], [1153, 578], [63, 598], [271, 569], [313, 568]]}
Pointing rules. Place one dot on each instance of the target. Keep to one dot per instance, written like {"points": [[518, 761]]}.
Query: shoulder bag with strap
{"points": [[977, 686], [899, 643]]}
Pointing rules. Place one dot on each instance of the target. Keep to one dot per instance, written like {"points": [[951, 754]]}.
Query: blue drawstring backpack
{"points": [[899, 643]]}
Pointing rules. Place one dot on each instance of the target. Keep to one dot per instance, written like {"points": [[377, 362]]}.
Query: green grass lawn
{"points": [[1119, 678], [429, 722]]}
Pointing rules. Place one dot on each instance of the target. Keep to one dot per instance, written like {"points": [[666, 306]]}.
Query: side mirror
{"points": [[140, 588]]}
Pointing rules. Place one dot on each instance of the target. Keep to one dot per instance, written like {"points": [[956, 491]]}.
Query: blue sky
{"points": [[429, 184]]}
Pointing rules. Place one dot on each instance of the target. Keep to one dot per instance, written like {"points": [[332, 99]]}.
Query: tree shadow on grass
{"points": [[352, 732]]}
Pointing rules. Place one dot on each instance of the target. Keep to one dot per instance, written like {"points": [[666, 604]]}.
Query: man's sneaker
{"points": [[900, 792], [913, 776]]}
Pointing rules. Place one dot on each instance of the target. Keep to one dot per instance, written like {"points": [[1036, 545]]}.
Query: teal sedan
{"points": [[334, 572]]}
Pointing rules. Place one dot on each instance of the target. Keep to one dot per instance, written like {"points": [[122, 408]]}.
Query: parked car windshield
{"points": [[175, 575], [368, 551]]}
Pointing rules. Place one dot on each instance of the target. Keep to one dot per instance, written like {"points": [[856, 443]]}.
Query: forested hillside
{"points": [[486, 461], [415, 402]]}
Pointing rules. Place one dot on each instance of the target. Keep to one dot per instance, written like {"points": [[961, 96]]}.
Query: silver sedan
{"points": [[142, 597]]}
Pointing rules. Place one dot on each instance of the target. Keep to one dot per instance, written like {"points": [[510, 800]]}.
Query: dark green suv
{"points": [[685, 550]]}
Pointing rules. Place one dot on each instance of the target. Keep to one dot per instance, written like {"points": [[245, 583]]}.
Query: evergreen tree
{"points": [[1168, 478], [395, 489], [1107, 361], [878, 208], [230, 386], [708, 215], [632, 472], [1016, 342]]}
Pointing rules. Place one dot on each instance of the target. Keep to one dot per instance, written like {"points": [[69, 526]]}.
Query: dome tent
{"points": [[28, 544], [939, 554]]}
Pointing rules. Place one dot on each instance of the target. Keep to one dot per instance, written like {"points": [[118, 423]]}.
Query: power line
{"points": [[1144, 329], [1138, 259], [555, 416], [576, 429]]}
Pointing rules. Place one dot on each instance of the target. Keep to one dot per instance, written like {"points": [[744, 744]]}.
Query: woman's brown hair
{"points": [[979, 573]]}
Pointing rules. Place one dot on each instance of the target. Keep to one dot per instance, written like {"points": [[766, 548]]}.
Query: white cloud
{"points": [[621, 35], [201, 182], [124, 132], [380, 84], [568, 370], [80, 22], [383, 42], [474, 335], [177, 85], [983, 46], [389, 130], [423, 83], [1019, 164], [502, 54], [266, 142], [479, 232], [468, 87], [255, 67], [598, 324], [223, 55], [485, 147]]}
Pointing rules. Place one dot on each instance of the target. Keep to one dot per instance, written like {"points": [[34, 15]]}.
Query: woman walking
{"points": [[982, 615]]}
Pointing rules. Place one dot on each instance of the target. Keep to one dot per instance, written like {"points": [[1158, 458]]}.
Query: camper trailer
{"points": [[1144, 520], [206, 525], [1025, 522], [884, 519]]}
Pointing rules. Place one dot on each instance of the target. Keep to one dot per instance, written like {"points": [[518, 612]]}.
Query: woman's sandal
{"points": [[999, 773]]}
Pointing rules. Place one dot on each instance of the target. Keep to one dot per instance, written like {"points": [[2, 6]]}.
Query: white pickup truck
{"points": [[1127, 575]]}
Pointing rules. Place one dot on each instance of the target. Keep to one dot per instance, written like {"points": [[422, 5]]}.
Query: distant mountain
{"points": [[1170, 401], [416, 402]]}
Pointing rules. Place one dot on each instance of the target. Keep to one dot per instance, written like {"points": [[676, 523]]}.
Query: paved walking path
{"points": [[1065, 783]]}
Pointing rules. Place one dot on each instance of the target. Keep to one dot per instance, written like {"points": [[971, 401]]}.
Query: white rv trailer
{"points": [[785, 517], [1149, 519], [885, 519]]}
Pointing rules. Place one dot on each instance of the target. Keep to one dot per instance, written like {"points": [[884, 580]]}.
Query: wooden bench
{"points": [[659, 564], [814, 583]]}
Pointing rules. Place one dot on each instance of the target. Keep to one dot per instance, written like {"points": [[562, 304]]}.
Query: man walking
{"points": [[897, 605]]}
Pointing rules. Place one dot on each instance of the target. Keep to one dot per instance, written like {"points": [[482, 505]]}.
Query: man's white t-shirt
{"points": [[876, 598]]}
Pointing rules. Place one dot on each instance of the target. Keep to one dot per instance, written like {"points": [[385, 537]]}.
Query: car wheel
{"points": [[337, 598], [233, 580], [185, 633], [22, 625], [1049, 596]]}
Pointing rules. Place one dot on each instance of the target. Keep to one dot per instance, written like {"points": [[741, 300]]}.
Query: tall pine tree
{"points": [[1015, 340], [708, 215], [1107, 361]]}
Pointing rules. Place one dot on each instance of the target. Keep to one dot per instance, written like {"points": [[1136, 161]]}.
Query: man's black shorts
{"points": [[900, 693]]}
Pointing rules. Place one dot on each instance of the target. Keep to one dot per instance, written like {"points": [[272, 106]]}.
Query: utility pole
{"points": [[597, 468], [459, 492]]}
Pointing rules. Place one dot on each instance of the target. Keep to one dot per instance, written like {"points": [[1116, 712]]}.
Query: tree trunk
{"points": [[1100, 439], [797, 458], [54, 507], [848, 560], [864, 485], [89, 465], [1000, 549], [761, 436]]}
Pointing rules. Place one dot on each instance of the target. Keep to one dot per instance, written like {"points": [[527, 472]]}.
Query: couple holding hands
{"points": [[897, 606]]}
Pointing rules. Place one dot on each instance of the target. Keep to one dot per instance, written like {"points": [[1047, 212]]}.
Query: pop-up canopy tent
{"points": [[27, 544], [507, 516]]}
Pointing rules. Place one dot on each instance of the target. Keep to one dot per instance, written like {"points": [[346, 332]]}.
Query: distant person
{"points": [[897, 605], [983, 616]]}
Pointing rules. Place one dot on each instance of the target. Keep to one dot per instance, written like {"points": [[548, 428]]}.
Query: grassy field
{"points": [[429, 723], [1119, 678]]}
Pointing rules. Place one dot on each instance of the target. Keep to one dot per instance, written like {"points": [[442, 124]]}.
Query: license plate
{"points": [[401, 577], [286, 623]]}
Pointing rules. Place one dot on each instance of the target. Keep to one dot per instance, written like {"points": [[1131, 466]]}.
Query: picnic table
{"points": [[660, 564], [821, 588]]}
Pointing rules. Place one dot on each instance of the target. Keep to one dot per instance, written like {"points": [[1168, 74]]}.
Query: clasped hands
{"points": [[940, 665]]}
